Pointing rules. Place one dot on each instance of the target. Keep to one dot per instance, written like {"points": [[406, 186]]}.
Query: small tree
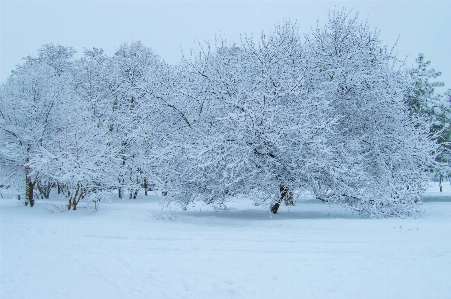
{"points": [[435, 109]]}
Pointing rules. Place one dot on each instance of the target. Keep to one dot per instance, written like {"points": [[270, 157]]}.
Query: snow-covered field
{"points": [[134, 249]]}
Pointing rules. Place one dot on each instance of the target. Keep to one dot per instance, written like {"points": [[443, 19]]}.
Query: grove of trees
{"points": [[333, 113]]}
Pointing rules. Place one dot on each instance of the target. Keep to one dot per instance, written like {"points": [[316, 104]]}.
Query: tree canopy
{"points": [[333, 113]]}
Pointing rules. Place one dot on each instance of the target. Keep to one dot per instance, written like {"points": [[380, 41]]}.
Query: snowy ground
{"points": [[133, 249]]}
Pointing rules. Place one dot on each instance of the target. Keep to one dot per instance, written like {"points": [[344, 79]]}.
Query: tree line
{"points": [[333, 113]]}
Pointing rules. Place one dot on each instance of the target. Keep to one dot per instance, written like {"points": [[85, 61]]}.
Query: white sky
{"points": [[168, 27]]}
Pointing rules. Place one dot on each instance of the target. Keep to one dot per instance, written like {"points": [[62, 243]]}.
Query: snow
{"points": [[136, 249]]}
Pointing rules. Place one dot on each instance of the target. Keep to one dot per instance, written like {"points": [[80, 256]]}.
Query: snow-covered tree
{"points": [[255, 130], [379, 154], [327, 116], [421, 95], [98, 146], [28, 118], [81, 156], [333, 113], [109, 118], [434, 108], [141, 104]]}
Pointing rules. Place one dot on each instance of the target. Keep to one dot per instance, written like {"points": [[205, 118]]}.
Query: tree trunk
{"points": [[80, 196], [74, 204], [291, 198], [275, 207], [29, 188], [283, 196], [29, 184], [44, 190], [73, 201], [441, 180], [145, 186]]}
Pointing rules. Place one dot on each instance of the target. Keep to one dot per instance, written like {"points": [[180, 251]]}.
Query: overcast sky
{"points": [[170, 27]]}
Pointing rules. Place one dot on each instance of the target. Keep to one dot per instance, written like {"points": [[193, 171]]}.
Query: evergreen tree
{"points": [[425, 103]]}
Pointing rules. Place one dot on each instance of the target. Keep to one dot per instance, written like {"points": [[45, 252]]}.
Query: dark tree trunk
{"points": [[73, 201], [283, 192], [145, 186], [285, 195], [132, 193], [275, 207], [29, 189], [441, 180], [29, 184], [44, 189]]}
